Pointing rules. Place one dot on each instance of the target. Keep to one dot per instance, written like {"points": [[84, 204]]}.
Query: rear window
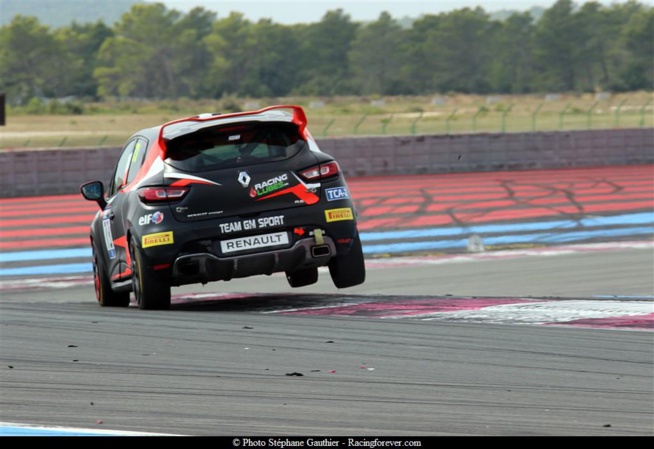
{"points": [[233, 146]]}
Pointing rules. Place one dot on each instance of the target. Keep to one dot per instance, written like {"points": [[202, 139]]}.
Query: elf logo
{"points": [[154, 218]]}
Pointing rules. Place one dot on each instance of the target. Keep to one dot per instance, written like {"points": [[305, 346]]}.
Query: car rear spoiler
{"points": [[296, 116]]}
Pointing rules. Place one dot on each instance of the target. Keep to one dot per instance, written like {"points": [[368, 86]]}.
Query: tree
{"points": [[32, 61], [594, 42], [454, 49], [422, 47], [556, 54], [153, 52], [378, 55], [230, 46], [274, 67], [511, 68], [638, 37], [323, 59], [192, 57], [256, 60], [84, 41]]}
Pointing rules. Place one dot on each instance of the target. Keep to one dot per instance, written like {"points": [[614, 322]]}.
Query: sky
{"points": [[310, 11]]}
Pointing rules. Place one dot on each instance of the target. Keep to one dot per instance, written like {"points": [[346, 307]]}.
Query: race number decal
{"points": [[108, 238]]}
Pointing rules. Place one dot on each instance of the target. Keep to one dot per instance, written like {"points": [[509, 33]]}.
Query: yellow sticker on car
{"points": [[158, 239], [341, 214], [135, 155]]}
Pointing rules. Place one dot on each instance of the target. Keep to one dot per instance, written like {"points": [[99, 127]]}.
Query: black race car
{"points": [[215, 197]]}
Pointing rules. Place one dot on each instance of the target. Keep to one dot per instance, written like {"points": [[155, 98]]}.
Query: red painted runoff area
{"points": [[392, 202]]}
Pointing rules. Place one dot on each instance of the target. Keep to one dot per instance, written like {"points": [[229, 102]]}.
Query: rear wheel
{"points": [[150, 291], [300, 278], [349, 269], [103, 292]]}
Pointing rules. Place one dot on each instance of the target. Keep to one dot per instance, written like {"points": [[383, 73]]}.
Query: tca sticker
{"points": [[337, 193]]}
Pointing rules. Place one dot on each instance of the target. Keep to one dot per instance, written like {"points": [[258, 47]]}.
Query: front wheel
{"points": [[349, 269], [103, 292], [150, 291]]}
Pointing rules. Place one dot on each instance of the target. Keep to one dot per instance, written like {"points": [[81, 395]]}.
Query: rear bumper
{"points": [[207, 267]]}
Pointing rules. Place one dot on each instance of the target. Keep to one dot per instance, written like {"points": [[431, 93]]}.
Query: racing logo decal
{"points": [[244, 179], [269, 186], [342, 214], [305, 192], [154, 218], [158, 239]]}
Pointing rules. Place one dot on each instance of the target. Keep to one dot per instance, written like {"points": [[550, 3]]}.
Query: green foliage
{"points": [[229, 103], [154, 52], [37, 106]]}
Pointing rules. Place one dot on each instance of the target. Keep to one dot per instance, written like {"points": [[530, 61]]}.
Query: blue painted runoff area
{"points": [[20, 430], [506, 240], [22, 256], [588, 222]]}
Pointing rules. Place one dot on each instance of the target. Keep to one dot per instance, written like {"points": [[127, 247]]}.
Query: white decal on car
{"points": [[108, 237], [254, 242], [190, 178], [244, 225]]}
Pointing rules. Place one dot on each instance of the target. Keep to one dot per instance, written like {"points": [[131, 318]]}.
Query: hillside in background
{"points": [[62, 13]]}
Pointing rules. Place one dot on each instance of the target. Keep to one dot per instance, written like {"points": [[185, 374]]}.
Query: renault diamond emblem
{"points": [[244, 179]]}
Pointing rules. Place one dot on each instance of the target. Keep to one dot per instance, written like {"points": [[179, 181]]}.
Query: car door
{"points": [[113, 216]]}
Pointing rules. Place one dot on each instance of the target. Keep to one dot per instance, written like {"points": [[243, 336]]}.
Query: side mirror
{"points": [[94, 191]]}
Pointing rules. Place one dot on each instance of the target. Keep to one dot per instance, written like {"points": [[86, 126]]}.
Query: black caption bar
{"points": [[358, 442]]}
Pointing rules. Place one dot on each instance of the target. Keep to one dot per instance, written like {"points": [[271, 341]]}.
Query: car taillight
{"points": [[157, 194], [321, 171]]}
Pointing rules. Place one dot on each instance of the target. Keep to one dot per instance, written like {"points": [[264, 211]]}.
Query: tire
{"points": [[150, 291], [103, 292], [301, 278], [349, 269]]}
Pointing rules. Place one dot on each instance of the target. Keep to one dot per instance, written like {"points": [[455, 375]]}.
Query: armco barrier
{"points": [[61, 171]]}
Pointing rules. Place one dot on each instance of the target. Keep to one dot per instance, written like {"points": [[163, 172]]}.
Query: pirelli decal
{"points": [[158, 239], [342, 214]]}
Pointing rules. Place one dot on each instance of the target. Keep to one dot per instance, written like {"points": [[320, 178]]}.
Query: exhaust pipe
{"points": [[189, 268], [320, 251]]}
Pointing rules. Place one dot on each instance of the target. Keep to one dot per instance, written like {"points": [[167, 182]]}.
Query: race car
{"points": [[215, 197]]}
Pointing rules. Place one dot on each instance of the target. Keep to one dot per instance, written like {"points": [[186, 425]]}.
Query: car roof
{"points": [[278, 113], [176, 128]]}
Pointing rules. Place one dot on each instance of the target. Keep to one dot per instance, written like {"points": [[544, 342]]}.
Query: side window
{"points": [[138, 155], [120, 175]]}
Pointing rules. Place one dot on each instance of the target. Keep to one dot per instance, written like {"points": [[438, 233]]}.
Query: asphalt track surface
{"points": [[527, 340]]}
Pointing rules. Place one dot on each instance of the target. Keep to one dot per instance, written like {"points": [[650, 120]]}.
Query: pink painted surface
{"points": [[396, 307], [390, 202]]}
